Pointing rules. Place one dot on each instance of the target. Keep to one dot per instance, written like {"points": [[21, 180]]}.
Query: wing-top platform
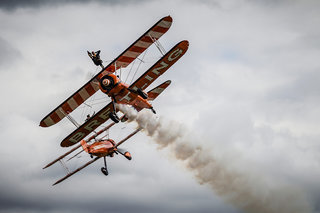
{"points": [[122, 61]]}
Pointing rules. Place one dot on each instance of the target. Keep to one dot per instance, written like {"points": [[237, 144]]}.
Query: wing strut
{"points": [[129, 136], [75, 171], [158, 45], [122, 61], [62, 156]]}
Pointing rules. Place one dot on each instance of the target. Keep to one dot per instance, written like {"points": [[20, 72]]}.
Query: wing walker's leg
{"points": [[104, 169], [113, 115], [95, 56], [154, 112]]}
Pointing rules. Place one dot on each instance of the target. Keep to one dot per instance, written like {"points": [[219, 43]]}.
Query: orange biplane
{"points": [[120, 93]]}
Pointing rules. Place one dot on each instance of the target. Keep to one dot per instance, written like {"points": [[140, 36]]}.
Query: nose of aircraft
{"points": [[106, 82]]}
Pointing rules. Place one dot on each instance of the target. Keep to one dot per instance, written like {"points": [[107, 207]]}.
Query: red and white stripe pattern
{"points": [[153, 94], [70, 104], [123, 60], [138, 47]]}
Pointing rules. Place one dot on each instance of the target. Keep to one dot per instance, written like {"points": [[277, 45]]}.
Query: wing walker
{"points": [[120, 93]]}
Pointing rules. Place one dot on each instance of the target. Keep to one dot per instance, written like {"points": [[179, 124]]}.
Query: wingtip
{"points": [[186, 41], [168, 18], [42, 124], [59, 181], [184, 44]]}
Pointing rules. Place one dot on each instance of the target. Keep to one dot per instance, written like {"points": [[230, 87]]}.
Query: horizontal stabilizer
{"points": [[153, 94]]}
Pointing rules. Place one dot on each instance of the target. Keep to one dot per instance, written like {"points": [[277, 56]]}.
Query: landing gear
{"points": [[104, 169], [142, 93], [114, 117], [154, 112]]}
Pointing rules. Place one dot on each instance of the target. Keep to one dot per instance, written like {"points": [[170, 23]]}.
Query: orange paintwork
{"points": [[122, 95], [100, 148], [122, 61]]}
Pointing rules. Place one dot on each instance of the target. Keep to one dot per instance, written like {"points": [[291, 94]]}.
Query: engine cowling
{"points": [[107, 82]]}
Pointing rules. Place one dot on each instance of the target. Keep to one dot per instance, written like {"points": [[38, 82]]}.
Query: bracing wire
{"points": [[139, 65], [130, 71]]}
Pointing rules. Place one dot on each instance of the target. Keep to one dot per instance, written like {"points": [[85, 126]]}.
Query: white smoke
{"points": [[246, 190]]}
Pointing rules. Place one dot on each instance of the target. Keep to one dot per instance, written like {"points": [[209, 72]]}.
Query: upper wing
{"points": [[139, 46], [71, 103], [162, 65], [90, 125], [123, 60]]}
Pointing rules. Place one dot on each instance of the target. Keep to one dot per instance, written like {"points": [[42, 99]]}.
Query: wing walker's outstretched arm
{"points": [[95, 56]]}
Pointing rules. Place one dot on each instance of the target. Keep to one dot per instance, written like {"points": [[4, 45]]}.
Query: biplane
{"points": [[120, 93]]}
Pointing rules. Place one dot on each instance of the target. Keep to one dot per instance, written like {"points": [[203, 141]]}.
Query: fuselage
{"points": [[121, 94], [102, 148]]}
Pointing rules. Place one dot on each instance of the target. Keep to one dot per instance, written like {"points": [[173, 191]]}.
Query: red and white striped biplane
{"points": [[120, 93]]}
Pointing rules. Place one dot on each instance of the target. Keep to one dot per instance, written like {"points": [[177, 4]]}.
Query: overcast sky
{"points": [[247, 92]]}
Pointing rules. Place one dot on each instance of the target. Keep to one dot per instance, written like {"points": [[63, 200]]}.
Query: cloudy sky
{"points": [[246, 92]]}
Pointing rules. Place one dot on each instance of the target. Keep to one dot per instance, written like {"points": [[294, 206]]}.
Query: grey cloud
{"points": [[15, 4], [303, 88], [8, 54], [225, 100]]}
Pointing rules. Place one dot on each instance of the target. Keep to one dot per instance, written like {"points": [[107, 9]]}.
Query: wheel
{"points": [[104, 171], [142, 94], [154, 112], [114, 117]]}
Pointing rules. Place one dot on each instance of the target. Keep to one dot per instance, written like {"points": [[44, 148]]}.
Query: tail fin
{"points": [[84, 145], [153, 94]]}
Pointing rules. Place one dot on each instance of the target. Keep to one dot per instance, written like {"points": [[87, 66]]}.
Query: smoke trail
{"points": [[250, 192]]}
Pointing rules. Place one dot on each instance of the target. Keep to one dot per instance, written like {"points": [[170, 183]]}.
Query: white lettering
{"points": [[92, 124], [156, 70], [144, 86], [175, 54], [148, 78], [77, 137], [105, 115], [126, 97]]}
